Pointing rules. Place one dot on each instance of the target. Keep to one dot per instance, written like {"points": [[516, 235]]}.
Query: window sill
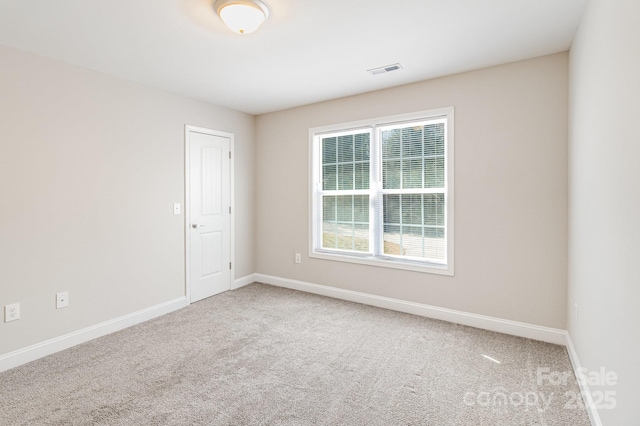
{"points": [[429, 268]]}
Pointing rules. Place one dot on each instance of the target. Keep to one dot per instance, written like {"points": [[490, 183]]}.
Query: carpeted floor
{"points": [[263, 355]]}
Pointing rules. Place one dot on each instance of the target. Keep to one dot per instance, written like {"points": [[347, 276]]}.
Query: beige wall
{"points": [[604, 213], [90, 167], [510, 192]]}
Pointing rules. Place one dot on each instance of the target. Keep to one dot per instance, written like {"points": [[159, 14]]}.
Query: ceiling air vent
{"points": [[385, 69]]}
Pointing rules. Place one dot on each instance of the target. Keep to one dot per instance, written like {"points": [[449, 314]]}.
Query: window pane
{"points": [[412, 242], [412, 209], [414, 225], [412, 142], [434, 243], [434, 233], [345, 148], [391, 144], [345, 162], [345, 208], [346, 222], [391, 208], [434, 209], [329, 234], [361, 237], [434, 172], [392, 239], [422, 151], [345, 176], [329, 177], [391, 173], [362, 147], [328, 150], [361, 209], [434, 139], [412, 173], [329, 208], [361, 175], [344, 238]]}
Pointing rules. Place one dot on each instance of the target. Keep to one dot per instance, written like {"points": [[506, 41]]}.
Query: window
{"points": [[382, 192]]}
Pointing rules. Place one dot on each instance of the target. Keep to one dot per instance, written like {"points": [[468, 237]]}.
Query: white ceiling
{"points": [[308, 50]]}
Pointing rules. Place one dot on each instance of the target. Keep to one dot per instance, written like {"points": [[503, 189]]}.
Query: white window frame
{"points": [[374, 125]]}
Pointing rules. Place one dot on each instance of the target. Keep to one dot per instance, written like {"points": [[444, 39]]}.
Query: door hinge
{"points": [[229, 209], [229, 155], [229, 265]]}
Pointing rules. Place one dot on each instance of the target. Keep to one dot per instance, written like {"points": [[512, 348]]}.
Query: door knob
{"points": [[195, 226]]}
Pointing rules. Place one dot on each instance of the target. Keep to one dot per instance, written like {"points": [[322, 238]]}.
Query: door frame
{"points": [[187, 204]]}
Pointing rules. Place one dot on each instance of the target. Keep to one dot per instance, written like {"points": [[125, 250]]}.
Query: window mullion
{"points": [[375, 205]]}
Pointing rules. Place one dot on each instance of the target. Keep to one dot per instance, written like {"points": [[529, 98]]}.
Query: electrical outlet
{"points": [[298, 258], [62, 299], [12, 312]]}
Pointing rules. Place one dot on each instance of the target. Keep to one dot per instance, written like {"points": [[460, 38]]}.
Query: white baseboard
{"points": [[241, 282], [48, 347], [530, 331], [592, 409]]}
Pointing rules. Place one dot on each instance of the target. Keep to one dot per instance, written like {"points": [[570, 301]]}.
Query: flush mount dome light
{"points": [[241, 16]]}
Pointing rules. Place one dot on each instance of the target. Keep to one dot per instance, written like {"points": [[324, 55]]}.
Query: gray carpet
{"points": [[263, 355]]}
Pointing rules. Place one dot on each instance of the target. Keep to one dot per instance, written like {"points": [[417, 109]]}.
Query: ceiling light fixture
{"points": [[242, 16]]}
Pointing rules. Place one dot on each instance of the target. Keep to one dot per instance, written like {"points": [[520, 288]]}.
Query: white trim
{"points": [[592, 410], [187, 249], [514, 328], [431, 268], [232, 206], [51, 346], [241, 282], [187, 206]]}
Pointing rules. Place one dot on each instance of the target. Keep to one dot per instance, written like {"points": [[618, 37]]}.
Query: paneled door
{"points": [[209, 213]]}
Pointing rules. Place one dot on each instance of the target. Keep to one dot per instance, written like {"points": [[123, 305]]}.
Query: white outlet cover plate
{"points": [[12, 312], [62, 299], [176, 208]]}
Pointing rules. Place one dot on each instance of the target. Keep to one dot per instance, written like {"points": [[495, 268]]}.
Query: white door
{"points": [[209, 216]]}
